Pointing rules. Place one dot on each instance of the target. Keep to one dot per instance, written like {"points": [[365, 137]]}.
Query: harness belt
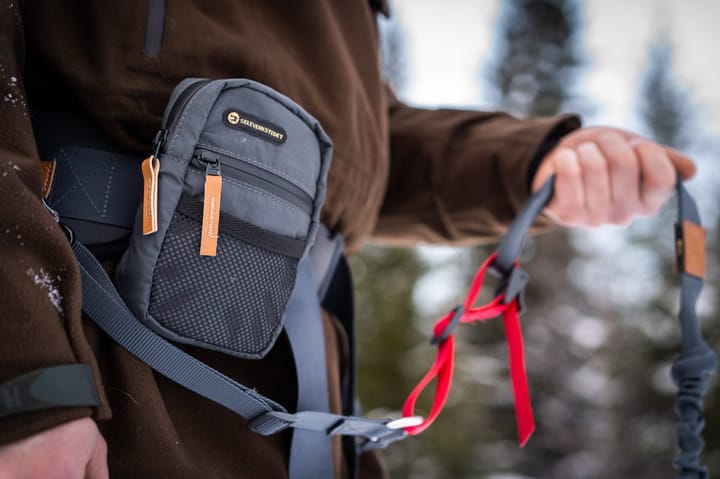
{"points": [[325, 275], [95, 192]]}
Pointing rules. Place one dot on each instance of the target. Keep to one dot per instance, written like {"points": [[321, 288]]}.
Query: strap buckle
{"points": [[512, 285], [457, 316]]}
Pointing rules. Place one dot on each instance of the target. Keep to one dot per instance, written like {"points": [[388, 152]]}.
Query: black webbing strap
{"points": [[692, 369], [102, 303], [68, 385]]}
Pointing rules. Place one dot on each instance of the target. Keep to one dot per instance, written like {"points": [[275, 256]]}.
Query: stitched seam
{"points": [[79, 182], [257, 163], [47, 178], [182, 120], [108, 186]]}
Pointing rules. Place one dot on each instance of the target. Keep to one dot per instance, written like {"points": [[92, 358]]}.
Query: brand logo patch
{"points": [[255, 126]]}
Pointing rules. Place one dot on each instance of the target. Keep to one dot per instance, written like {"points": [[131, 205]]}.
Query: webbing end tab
{"points": [[271, 422], [514, 287]]}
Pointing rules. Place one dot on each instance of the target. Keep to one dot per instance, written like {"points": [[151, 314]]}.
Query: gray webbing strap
{"points": [[692, 369], [56, 386], [102, 303], [310, 451]]}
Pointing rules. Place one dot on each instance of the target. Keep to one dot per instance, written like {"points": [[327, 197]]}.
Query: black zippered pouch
{"points": [[231, 205]]}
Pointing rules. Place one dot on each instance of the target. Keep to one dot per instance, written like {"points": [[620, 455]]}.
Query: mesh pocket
{"points": [[232, 302]]}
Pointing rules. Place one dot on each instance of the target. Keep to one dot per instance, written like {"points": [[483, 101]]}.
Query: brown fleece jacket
{"points": [[399, 173]]}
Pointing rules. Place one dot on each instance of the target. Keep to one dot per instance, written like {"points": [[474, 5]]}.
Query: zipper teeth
{"points": [[182, 101], [288, 191]]}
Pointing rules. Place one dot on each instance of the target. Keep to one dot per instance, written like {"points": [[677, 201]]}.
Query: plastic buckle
{"points": [[457, 315], [512, 286], [381, 442], [69, 233]]}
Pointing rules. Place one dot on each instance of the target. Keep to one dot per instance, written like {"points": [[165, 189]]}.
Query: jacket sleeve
{"points": [[460, 176], [40, 299]]}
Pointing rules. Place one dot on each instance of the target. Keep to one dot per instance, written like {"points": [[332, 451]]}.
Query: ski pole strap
{"points": [[690, 372], [442, 369], [697, 362], [103, 304]]}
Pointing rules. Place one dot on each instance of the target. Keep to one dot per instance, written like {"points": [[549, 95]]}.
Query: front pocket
{"points": [[233, 302], [257, 177]]}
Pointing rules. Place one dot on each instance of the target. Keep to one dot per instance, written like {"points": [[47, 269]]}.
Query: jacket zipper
{"points": [[259, 178], [154, 27]]}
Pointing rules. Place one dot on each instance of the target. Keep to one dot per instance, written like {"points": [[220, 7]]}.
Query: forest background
{"points": [[602, 334]]}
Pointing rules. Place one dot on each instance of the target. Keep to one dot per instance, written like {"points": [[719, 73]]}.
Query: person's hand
{"points": [[74, 450], [608, 176]]}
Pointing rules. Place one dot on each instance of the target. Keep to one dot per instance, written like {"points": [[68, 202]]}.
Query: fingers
{"points": [[568, 204], [596, 183], [609, 176], [624, 177], [683, 165], [658, 177]]}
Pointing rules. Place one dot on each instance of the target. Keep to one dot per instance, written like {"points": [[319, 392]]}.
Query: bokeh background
{"points": [[601, 331]]}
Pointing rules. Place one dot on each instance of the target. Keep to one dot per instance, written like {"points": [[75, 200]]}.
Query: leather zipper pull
{"points": [[211, 207], [150, 172]]}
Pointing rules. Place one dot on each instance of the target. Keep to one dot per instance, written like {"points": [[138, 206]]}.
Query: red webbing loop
{"points": [[442, 367]]}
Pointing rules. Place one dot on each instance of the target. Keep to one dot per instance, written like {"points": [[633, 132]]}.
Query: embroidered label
{"points": [[255, 126]]}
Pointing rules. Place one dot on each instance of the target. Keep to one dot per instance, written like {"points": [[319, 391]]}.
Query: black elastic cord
{"points": [[692, 369]]}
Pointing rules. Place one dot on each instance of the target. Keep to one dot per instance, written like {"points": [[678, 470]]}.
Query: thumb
{"points": [[547, 168], [97, 467]]}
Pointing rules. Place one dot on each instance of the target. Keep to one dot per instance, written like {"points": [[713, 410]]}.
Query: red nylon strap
{"points": [[442, 367]]}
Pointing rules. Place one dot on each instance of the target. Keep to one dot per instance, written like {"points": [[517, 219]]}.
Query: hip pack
{"points": [[231, 205]]}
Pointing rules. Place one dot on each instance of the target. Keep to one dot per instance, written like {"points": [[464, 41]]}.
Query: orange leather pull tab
{"points": [[693, 249], [150, 172], [211, 215], [47, 174]]}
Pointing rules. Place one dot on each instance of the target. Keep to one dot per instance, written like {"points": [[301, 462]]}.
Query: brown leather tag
{"points": [[150, 172], [47, 174], [693, 249], [211, 215]]}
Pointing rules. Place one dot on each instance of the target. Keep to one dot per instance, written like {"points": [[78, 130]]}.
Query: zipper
{"points": [[259, 178], [180, 103], [151, 165], [173, 117], [154, 27]]}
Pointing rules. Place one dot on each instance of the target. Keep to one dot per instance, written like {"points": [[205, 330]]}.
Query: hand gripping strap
{"points": [[690, 372]]}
